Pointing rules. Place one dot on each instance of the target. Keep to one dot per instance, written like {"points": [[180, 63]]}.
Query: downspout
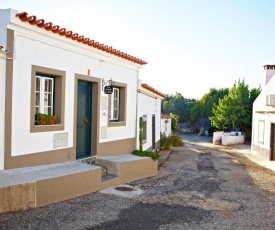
{"points": [[137, 120], [2, 107]]}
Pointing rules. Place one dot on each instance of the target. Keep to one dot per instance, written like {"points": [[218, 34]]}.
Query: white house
{"points": [[55, 71], [90, 87], [149, 108], [262, 140]]}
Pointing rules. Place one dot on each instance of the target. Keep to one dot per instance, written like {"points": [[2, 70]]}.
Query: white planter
{"points": [[217, 136]]}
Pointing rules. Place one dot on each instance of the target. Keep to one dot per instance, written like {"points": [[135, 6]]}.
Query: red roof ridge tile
{"points": [[75, 36]]}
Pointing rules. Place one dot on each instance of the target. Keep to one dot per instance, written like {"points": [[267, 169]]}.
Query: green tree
{"points": [[178, 105], [167, 104], [235, 109], [253, 94], [174, 122], [203, 108]]}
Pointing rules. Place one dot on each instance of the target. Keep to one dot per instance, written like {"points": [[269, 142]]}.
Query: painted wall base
{"points": [[261, 151]]}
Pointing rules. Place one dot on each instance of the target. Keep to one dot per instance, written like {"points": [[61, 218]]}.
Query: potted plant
{"points": [[45, 119]]}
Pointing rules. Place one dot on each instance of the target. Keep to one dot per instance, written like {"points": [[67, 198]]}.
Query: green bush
{"points": [[171, 140], [165, 142], [176, 140], [154, 156]]}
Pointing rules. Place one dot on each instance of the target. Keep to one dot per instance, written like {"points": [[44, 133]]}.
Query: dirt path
{"points": [[235, 192], [263, 177], [201, 186]]}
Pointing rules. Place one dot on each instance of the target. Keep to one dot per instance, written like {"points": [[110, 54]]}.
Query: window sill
{"points": [[46, 128], [116, 123], [48, 125]]}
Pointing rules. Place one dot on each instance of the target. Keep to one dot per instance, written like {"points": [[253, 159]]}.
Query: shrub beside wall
{"points": [[171, 140]]}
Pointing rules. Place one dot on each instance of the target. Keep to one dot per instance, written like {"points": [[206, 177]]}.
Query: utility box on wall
{"points": [[60, 140]]}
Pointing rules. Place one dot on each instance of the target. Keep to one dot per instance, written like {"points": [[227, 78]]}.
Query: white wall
{"points": [[148, 106], [34, 46], [2, 107], [257, 134], [268, 74], [166, 126], [260, 139]]}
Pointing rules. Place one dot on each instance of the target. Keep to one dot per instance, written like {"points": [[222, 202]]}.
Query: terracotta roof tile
{"points": [[150, 88], [75, 36]]}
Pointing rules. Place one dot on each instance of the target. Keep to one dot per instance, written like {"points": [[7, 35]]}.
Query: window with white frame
{"points": [[261, 125], [47, 97], [44, 94], [115, 104]]}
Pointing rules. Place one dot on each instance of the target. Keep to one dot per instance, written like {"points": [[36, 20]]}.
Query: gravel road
{"points": [[200, 186]]}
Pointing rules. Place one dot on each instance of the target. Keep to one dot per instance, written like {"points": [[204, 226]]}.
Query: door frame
{"points": [[95, 99]]}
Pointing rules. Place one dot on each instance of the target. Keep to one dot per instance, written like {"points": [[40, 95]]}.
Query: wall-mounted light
{"points": [[4, 50]]}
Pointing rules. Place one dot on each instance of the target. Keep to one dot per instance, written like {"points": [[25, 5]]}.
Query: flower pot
{"points": [[45, 119]]}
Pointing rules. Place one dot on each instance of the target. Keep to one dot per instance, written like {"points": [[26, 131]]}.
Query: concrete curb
{"points": [[164, 154]]}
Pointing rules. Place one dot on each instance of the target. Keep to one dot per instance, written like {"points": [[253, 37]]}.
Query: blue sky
{"points": [[190, 45]]}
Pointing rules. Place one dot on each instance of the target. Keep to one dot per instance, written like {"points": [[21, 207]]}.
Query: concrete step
{"points": [[24, 188], [108, 177], [92, 161], [129, 167], [37, 173]]}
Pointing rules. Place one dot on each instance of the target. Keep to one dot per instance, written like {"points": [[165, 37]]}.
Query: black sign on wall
{"points": [[108, 89]]}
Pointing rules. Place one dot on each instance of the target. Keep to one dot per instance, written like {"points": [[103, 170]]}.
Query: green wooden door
{"points": [[84, 105]]}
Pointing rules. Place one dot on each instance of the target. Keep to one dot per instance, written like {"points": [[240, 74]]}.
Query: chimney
{"points": [[269, 71]]}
